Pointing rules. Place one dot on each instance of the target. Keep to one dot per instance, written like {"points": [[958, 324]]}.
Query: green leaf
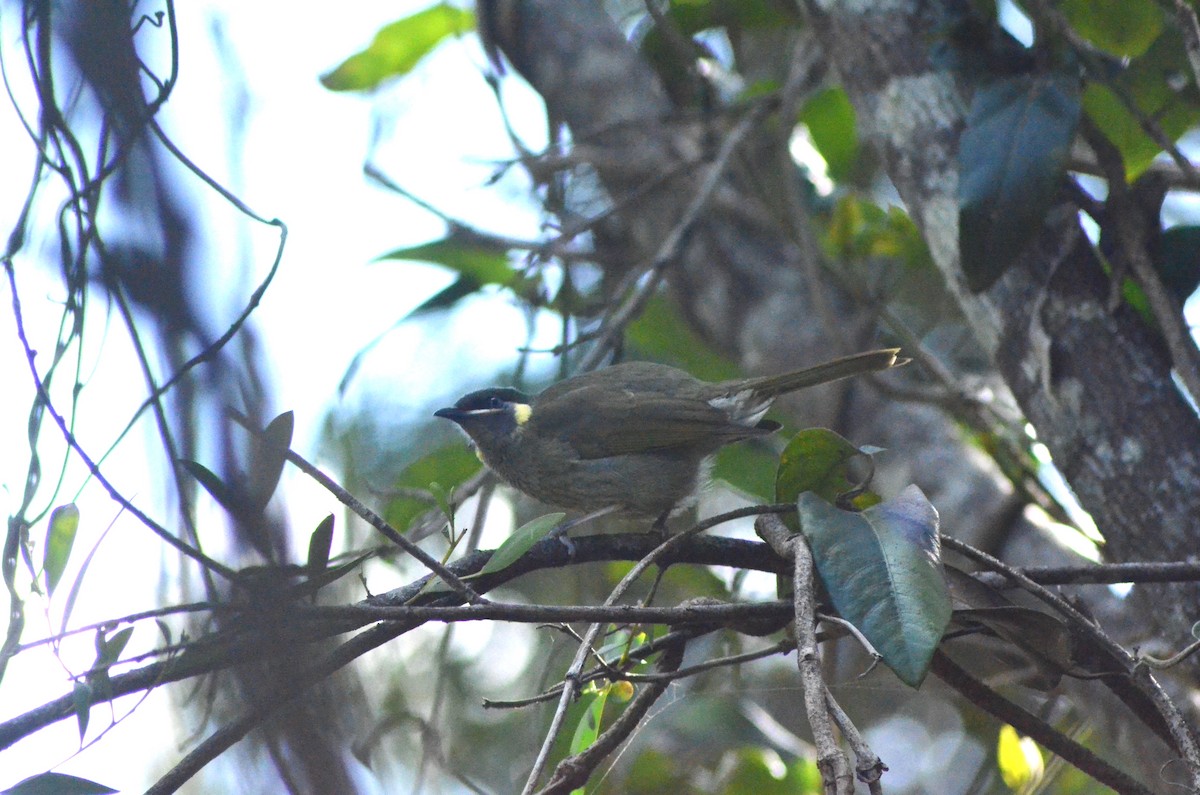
{"points": [[81, 698], [1161, 86], [816, 460], [588, 727], [860, 230], [883, 571], [319, 544], [449, 465], [748, 467], [58, 784], [520, 541], [832, 124], [753, 773], [1125, 28], [662, 334], [270, 454], [64, 522], [476, 262], [1011, 161], [399, 47]]}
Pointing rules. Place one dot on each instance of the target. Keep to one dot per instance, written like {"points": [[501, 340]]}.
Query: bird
{"points": [[631, 438]]}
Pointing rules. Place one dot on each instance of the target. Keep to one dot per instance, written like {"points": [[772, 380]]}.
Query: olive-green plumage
{"points": [[634, 436]]}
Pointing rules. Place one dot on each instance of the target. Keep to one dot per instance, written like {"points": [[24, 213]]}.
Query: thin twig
{"points": [[1139, 674], [1031, 725], [831, 759], [372, 518], [614, 325]]}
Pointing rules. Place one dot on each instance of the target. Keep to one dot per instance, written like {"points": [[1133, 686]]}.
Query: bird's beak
{"points": [[455, 414]]}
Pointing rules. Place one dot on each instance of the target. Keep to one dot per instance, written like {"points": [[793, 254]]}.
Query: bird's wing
{"points": [[599, 422]]}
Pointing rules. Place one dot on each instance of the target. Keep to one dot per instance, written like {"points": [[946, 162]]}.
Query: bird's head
{"points": [[491, 417]]}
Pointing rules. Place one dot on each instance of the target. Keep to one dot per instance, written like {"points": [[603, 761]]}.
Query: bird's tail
{"points": [[856, 364]]}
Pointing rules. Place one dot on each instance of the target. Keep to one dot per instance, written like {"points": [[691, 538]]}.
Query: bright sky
{"points": [[302, 159]]}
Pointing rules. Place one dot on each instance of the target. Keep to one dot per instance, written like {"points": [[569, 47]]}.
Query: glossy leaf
{"points": [[1161, 86], [816, 460], [1125, 28], [832, 124], [520, 541], [1011, 159], [58, 784], [319, 544], [64, 522], [398, 48], [447, 466], [883, 572]]}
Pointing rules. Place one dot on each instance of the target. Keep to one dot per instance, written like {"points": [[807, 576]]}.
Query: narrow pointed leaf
{"points": [[111, 648], [588, 728], [270, 455], [883, 571], [64, 522], [220, 492], [81, 698], [319, 544], [520, 541]]}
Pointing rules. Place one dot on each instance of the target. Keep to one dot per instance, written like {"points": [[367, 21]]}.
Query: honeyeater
{"points": [[631, 438]]}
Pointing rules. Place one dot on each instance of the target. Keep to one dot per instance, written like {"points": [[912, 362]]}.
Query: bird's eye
{"points": [[495, 403]]}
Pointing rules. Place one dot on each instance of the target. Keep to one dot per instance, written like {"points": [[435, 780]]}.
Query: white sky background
{"points": [[302, 162]]}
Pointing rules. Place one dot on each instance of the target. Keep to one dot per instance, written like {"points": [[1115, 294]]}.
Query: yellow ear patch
{"points": [[522, 412]]}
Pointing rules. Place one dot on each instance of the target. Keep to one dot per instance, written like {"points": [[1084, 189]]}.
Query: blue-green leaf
{"points": [[883, 571], [399, 47], [1011, 159]]}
